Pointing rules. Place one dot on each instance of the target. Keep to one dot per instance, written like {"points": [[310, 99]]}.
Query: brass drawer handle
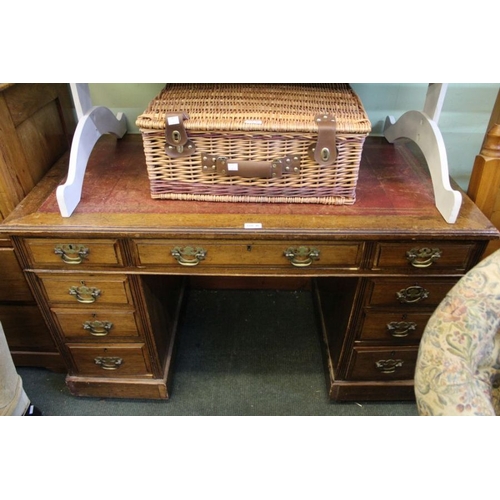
{"points": [[301, 256], [423, 257], [85, 294], [98, 328], [400, 329], [412, 294], [108, 362], [388, 365], [189, 256], [72, 254]]}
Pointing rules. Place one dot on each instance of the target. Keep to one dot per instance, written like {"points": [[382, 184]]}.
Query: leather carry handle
{"points": [[260, 169]]}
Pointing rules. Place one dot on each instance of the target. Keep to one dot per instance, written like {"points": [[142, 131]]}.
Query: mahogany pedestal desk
{"points": [[109, 280]]}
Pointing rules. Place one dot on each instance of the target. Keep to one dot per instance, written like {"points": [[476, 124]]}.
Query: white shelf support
{"points": [[421, 127], [93, 122]]}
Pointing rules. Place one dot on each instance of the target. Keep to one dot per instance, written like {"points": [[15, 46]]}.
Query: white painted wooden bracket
{"points": [[93, 122], [421, 127]]}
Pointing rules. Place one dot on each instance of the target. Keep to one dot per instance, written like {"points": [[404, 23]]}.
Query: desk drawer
{"points": [[408, 292], [424, 256], [383, 364], [74, 253], [186, 254], [96, 326], [114, 360], [86, 290], [393, 326]]}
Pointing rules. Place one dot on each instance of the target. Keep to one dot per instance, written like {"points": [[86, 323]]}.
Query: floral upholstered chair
{"points": [[458, 364]]}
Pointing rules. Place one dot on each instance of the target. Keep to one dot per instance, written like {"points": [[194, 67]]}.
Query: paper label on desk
{"points": [[173, 120], [232, 166], [253, 225]]}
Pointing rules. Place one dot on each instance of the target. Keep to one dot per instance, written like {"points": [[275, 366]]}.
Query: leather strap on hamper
{"points": [[261, 169], [324, 152], [177, 143]]}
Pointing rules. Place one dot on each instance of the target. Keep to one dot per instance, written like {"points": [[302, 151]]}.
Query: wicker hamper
{"points": [[280, 143]]}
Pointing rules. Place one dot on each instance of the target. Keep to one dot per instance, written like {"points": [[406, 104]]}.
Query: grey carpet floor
{"points": [[240, 352]]}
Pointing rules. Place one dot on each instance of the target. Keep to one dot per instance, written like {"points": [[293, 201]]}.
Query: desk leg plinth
{"points": [[118, 388]]}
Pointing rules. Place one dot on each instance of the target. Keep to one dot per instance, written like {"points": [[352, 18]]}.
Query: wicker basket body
{"points": [[255, 123]]}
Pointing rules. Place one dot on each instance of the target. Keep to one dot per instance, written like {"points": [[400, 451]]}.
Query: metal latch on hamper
{"points": [[274, 169], [324, 152], [177, 143]]}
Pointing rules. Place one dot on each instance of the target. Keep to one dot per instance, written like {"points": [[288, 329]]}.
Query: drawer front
{"points": [[72, 254], [426, 256], [393, 326], [408, 292], [383, 364], [13, 285], [117, 360], [96, 326], [185, 254], [86, 290]]}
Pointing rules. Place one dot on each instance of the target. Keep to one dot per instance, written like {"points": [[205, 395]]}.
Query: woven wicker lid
{"points": [[258, 107]]}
